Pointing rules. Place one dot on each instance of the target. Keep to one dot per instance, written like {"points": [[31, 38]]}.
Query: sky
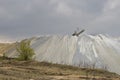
{"points": [[27, 18]]}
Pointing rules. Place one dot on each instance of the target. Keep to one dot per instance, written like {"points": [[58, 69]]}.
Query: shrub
{"points": [[25, 51]]}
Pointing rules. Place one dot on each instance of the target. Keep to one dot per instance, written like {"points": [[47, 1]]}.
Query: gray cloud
{"points": [[23, 18]]}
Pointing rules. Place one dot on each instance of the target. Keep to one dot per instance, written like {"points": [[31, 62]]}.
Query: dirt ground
{"points": [[32, 70]]}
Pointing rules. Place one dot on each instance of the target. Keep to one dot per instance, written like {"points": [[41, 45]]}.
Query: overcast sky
{"points": [[25, 18]]}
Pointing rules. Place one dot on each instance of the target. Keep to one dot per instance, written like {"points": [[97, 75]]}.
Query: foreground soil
{"points": [[11, 69]]}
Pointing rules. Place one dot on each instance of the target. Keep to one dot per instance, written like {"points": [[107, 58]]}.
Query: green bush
{"points": [[25, 51]]}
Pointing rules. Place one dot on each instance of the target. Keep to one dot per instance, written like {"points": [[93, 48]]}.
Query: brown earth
{"points": [[11, 69], [4, 47]]}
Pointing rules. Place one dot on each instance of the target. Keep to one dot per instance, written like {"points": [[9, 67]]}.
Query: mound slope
{"points": [[85, 51]]}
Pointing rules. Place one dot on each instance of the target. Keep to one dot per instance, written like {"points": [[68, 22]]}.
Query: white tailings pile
{"points": [[84, 51]]}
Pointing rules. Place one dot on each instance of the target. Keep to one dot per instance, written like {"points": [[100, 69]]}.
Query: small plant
{"points": [[4, 57], [25, 51]]}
